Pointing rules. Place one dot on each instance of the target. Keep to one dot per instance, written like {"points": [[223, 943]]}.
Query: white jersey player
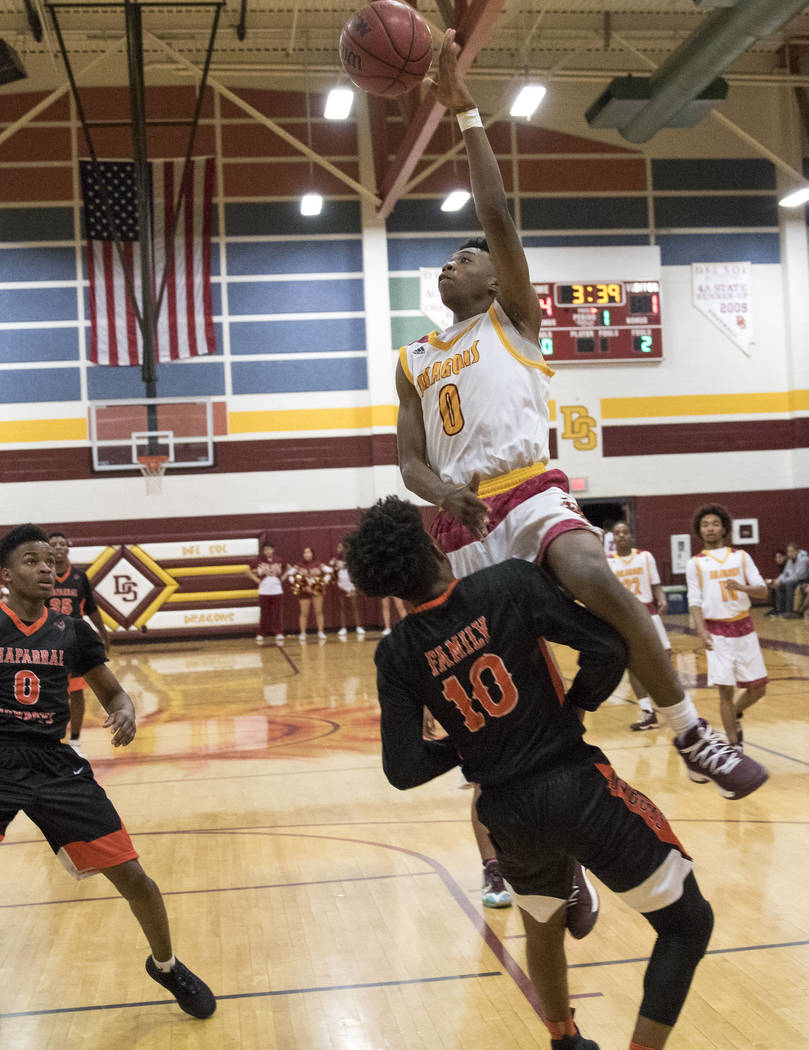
{"points": [[721, 581], [637, 571]]}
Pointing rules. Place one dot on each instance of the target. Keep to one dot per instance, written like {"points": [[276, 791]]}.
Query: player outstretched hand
{"points": [[464, 504], [121, 725], [450, 89]]}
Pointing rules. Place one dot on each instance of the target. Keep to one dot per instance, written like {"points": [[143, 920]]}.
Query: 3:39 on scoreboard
{"points": [[597, 321]]}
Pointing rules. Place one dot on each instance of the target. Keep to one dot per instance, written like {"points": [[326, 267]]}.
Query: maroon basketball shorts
{"points": [[583, 811], [55, 788]]}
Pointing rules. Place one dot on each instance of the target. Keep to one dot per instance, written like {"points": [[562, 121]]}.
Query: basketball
{"points": [[386, 48]]}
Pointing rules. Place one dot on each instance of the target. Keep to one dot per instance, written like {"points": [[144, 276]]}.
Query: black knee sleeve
{"points": [[683, 931]]}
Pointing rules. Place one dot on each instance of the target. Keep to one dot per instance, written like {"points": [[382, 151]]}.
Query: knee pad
{"points": [[690, 918]]}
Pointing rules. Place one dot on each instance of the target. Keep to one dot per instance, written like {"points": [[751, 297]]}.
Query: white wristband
{"points": [[470, 118]]}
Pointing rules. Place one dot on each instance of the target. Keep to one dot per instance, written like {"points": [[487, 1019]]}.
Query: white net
{"points": [[153, 468]]}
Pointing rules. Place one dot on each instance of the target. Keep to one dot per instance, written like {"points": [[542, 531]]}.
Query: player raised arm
{"points": [[514, 290], [117, 703]]}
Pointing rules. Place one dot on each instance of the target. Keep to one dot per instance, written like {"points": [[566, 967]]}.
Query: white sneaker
{"points": [[279, 639], [342, 632], [259, 639], [321, 635], [386, 632], [302, 637], [360, 631], [77, 748]]}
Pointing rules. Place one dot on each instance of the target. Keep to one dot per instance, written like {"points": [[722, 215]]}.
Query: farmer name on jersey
{"points": [[449, 367], [32, 656], [467, 641]]}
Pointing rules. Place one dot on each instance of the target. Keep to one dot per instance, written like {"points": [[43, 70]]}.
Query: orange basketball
{"points": [[386, 48]]}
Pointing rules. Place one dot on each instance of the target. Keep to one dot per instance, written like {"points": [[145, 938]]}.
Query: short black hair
{"points": [[390, 553], [21, 534], [52, 534], [476, 242], [713, 508]]}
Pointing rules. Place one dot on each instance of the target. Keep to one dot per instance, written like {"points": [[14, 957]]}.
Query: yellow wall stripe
{"points": [[45, 430], [705, 405], [361, 418], [210, 596], [208, 570]]}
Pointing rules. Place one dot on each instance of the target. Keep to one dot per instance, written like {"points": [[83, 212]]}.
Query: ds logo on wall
{"points": [[130, 586], [579, 427]]}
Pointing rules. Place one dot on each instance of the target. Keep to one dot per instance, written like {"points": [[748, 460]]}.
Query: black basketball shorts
{"points": [[582, 811], [56, 789]]}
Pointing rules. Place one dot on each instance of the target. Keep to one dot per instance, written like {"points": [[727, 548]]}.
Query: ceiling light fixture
{"points": [[455, 200], [792, 200], [527, 100], [338, 103], [311, 204]]}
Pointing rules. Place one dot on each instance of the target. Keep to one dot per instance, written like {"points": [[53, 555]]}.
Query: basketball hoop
{"points": [[153, 468]]}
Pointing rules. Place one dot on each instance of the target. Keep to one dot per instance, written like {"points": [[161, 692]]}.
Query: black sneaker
{"points": [[192, 995], [573, 1042], [647, 721], [582, 905], [495, 893]]}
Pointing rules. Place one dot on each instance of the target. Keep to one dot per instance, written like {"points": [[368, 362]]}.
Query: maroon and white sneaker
{"points": [[582, 905], [648, 721], [708, 756]]}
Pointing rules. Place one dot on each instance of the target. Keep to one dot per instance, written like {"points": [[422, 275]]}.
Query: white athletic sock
{"points": [[680, 717], [164, 967], [645, 704]]}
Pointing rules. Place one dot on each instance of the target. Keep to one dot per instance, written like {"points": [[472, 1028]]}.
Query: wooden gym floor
{"points": [[330, 912]]}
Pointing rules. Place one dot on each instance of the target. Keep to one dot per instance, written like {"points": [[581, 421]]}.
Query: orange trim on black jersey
{"points": [[437, 601], [26, 628], [61, 579]]}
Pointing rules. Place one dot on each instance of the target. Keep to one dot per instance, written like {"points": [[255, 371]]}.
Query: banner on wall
{"points": [[430, 301], [722, 292]]}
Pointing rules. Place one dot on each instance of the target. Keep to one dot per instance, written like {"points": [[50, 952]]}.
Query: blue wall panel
{"points": [[179, 379], [37, 264], [36, 224], [40, 384], [39, 344], [292, 297], [38, 304], [294, 337], [409, 253], [275, 377], [254, 219], [684, 249], [583, 213], [685, 212], [715, 173], [295, 257]]}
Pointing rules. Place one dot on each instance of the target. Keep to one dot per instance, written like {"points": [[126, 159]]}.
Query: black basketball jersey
{"points": [[478, 659], [72, 594], [35, 659]]}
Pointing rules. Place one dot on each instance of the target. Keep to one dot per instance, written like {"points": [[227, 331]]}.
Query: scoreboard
{"points": [[596, 321]]}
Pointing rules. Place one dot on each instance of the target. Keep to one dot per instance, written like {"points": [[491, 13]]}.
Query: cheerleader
{"points": [[346, 591], [309, 579], [267, 571]]}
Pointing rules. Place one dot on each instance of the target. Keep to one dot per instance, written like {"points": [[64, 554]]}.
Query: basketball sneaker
{"points": [[259, 639], [647, 721], [360, 631], [386, 632], [279, 639], [573, 1042], [495, 892], [582, 905], [192, 994], [302, 636], [342, 632], [708, 756], [321, 635]]}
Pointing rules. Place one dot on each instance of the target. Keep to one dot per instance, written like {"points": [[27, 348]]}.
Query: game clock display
{"points": [[600, 321]]}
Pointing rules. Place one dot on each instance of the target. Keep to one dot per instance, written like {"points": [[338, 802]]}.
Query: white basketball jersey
{"points": [[637, 572], [705, 575], [484, 397]]}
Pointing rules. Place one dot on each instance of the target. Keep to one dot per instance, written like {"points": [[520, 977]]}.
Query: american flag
{"points": [[185, 322]]}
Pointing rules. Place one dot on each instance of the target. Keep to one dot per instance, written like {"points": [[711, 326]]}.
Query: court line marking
{"points": [[257, 995]]}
